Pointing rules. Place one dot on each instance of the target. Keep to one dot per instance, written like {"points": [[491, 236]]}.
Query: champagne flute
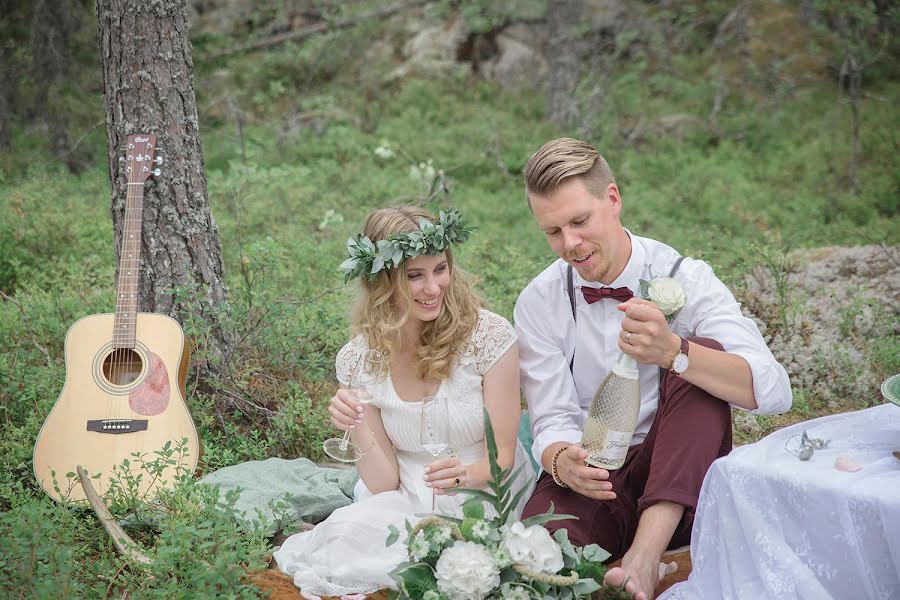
{"points": [[434, 430], [370, 365]]}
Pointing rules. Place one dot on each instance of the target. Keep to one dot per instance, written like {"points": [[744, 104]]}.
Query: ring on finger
{"points": [[628, 337], [456, 482]]}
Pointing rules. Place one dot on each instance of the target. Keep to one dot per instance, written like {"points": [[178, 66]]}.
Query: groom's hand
{"points": [[587, 481], [645, 335]]}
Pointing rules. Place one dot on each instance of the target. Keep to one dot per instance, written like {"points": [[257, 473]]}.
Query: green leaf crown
{"points": [[368, 258]]}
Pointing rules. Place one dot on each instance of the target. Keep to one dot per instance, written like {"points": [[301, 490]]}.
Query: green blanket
{"points": [[285, 491]]}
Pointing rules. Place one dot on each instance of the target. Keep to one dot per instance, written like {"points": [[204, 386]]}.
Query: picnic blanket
{"points": [[281, 491]]}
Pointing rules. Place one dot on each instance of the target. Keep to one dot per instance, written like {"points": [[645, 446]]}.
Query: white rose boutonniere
{"points": [[466, 570], [666, 293], [533, 547]]}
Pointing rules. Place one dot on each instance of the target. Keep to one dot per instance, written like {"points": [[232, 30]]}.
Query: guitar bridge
{"points": [[117, 425]]}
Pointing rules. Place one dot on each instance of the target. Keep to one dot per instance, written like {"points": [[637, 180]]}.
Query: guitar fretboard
{"points": [[137, 167]]}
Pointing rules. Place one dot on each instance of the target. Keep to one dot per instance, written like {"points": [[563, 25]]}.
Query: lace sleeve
{"points": [[346, 360], [492, 338]]}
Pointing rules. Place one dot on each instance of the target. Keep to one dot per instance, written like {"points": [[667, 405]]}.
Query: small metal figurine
{"points": [[807, 445]]}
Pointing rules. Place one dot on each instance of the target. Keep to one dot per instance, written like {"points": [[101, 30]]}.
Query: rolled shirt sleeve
{"points": [[713, 312]]}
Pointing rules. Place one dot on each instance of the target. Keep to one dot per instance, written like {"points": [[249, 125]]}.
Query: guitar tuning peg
{"points": [[158, 160], [157, 172]]}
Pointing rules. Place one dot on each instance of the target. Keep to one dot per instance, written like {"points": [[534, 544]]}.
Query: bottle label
{"points": [[616, 445]]}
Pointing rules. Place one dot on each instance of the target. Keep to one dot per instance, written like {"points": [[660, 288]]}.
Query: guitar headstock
{"points": [[140, 157]]}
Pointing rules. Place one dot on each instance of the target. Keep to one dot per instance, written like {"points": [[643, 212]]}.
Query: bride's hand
{"points": [[346, 412], [446, 474]]}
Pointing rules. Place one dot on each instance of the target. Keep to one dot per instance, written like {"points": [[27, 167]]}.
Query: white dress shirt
{"points": [[548, 336]]}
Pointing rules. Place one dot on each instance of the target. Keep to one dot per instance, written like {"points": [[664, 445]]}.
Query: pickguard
{"points": [[152, 396]]}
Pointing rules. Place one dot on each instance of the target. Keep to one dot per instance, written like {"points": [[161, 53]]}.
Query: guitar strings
{"points": [[118, 368]]}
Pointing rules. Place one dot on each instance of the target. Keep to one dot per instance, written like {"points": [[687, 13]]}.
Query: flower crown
{"points": [[367, 259]]}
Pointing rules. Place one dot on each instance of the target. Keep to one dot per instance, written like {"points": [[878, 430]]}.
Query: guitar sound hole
{"points": [[122, 366]]}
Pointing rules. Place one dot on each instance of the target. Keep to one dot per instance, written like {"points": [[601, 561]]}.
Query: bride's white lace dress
{"points": [[346, 553]]}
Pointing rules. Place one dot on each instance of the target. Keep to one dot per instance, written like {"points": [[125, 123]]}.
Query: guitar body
{"points": [[116, 402]]}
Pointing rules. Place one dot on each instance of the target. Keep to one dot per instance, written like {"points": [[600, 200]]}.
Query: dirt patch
{"points": [[831, 316]]}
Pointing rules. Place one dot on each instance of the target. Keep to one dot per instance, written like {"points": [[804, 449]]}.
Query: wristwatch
{"points": [[681, 362]]}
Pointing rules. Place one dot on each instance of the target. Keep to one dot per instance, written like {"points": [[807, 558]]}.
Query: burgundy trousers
{"points": [[691, 429]]}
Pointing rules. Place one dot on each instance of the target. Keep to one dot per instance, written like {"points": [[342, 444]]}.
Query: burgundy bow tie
{"points": [[591, 294]]}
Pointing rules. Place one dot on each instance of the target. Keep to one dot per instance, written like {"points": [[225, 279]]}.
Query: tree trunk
{"points": [[563, 18], [148, 88]]}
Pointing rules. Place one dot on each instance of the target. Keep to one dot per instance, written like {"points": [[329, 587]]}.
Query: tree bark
{"points": [[563, 19], [148, 87]]}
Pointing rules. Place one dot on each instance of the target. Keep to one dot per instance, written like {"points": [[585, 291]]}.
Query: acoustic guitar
{"points": [[123, 402]]}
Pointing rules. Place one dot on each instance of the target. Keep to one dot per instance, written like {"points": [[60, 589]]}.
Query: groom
{"points": [[711, 358]]}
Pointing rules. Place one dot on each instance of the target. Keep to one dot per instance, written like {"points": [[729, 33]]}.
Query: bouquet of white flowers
{"points": [[498, 558]]}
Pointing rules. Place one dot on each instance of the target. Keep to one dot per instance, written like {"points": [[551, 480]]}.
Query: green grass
{"points": [[292, 191]]}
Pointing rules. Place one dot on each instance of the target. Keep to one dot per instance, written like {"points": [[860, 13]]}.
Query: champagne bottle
{"points": [[613, 416]]}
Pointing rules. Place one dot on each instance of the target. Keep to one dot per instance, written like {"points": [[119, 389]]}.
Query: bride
{"points": [[417, 309]]}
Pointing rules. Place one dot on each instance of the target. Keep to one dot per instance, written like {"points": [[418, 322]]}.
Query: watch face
{"points": [[681, 363]]}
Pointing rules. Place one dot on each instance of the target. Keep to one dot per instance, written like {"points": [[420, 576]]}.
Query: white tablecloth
{"points": [[769, 526]]}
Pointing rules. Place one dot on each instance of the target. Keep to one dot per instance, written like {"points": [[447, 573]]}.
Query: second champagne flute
{"points": [[370, 365], [434, 431]]}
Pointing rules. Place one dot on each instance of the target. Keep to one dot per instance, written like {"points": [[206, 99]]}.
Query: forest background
{"points": [[760, 136]]}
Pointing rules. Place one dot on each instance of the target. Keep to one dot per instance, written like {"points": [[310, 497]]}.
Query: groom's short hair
{"points": [[562, 158]]}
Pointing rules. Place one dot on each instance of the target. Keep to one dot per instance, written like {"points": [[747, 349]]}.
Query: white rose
{"points": [[668, 294], [533, 548], [466, 571]]}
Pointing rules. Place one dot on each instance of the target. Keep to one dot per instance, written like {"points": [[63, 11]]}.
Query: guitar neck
{"points": [[130, 255]]}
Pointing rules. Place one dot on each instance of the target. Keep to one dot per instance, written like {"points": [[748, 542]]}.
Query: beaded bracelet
{"points": [[554, 472]]}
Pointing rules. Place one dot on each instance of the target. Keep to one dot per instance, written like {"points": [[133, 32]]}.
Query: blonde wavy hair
{"points": [[379, 319]]}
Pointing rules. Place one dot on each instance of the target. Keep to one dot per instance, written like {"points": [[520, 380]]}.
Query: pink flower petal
{"points": [[845, 463]]}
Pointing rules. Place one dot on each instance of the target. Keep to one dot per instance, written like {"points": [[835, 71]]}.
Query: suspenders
{"points": [[570, 288]]}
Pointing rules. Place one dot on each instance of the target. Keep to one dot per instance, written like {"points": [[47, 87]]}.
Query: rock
{"points": [[839, 302], [515, 63], [763, 44], [433, 50], [605, 15]]}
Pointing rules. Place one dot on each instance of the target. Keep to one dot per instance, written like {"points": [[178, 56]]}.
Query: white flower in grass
{"points": [[431, 595], [384, 152], [533, 547], [668, 294], [466, 571], [418, 547]]}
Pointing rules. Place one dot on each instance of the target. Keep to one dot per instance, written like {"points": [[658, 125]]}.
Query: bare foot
{"points": [[639, 576]]}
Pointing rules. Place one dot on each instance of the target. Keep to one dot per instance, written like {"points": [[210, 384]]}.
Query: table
{"points": [[770, 526]]}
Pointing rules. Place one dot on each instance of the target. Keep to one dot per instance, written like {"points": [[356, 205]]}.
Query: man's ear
{"points": [[615, 201]]}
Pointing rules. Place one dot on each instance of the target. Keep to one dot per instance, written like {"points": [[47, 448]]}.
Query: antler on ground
{"points": [[125, 545]]}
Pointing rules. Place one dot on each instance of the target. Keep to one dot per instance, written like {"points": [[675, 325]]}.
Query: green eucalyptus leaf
{"points": [[594, 553], [583, 587], [414, 579], [645, 288], [393, 537], [481, 494], [473, 509]]}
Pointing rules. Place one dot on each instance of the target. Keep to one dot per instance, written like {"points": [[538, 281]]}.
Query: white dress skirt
{"points": [[347, 553]]}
